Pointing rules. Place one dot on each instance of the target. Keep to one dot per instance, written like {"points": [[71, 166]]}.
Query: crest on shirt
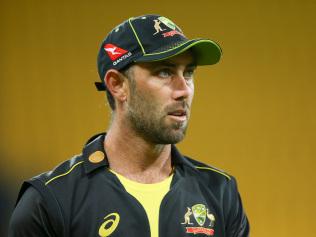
{"points": [[199, 220]]}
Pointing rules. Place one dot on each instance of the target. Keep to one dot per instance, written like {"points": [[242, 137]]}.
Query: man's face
{"points": [[161, 93]]}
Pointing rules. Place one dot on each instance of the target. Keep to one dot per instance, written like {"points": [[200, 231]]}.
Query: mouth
{"points": [[178, 115]]}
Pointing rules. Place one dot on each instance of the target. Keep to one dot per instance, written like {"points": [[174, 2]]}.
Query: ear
{"points": [[116, 84]]}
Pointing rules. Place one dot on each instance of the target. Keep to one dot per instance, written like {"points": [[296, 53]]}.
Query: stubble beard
{"points": [[151, 124]]}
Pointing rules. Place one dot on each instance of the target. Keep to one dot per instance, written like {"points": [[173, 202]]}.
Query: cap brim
{"points": [[206, 52]]}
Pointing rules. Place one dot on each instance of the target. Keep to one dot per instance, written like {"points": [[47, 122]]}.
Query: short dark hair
{"points": [[126, 71]]}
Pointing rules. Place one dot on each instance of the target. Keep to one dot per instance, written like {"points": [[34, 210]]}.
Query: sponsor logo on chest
{"points": [[109, 225]]}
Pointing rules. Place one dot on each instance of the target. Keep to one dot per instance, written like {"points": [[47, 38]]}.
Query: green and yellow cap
{"points": [[150, 38]]}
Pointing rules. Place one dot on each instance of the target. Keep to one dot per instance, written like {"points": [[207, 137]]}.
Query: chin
{"points": [[176, 136], [170, 137]]}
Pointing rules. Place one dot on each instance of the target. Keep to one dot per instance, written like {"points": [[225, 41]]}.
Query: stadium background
{"points": [[253, 114]]}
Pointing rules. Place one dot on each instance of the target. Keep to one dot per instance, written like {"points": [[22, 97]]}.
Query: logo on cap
{"points": [[114, 51], [157, 26], [167, 23]]}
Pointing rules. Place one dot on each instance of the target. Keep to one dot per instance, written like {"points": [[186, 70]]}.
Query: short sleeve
{"points": [[237, 224], [30, 217]]}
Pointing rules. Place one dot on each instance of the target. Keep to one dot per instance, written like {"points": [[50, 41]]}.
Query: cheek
{"points": [[190, 95], [191, 86], [148, 101], [190, 99], [156, 92]]}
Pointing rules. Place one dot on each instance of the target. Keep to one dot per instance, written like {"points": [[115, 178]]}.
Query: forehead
{"points": [[184, 59]]}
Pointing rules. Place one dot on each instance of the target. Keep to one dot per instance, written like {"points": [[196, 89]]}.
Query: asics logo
{"points": [[109, 225]]}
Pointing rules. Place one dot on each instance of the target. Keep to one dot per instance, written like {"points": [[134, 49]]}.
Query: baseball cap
{"points": [[150, 38]]}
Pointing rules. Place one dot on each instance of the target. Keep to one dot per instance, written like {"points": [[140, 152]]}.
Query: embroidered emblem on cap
{"points": [[167, 23], [96, 157], [114, 51], [157, 26]]}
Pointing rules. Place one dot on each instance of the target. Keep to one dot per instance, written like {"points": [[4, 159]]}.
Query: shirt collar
{"points": [[93, 153], [95, 156]]}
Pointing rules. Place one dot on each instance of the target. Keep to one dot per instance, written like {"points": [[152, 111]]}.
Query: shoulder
{"points": [[76, 169], [45, 196], [47, 183], [57, 190], [217, 181], [70, 175], [70, 169], [29, 217], [196, 169], [203, 169], [209, 175]]}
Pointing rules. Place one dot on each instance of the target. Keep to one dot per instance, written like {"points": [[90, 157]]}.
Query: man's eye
{"points": [[165, 73], [188, 74]]}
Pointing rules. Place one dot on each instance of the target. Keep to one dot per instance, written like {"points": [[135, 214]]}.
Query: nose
{"points": [[182, 88]]}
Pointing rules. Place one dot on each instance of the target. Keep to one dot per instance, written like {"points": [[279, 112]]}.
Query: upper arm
{"points": [[237, 224], [30, 217]]}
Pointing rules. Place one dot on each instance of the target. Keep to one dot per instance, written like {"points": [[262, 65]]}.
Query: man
{"points": [[133, 181]]}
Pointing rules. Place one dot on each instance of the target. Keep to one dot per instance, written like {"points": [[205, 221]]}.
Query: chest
{"points": [[188, 209]]}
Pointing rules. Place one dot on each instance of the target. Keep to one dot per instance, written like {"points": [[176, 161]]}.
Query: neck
{"points": [[133, 157]]}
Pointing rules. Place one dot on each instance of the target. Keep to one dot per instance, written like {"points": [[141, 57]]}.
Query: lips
{"points": [[178, 115]]}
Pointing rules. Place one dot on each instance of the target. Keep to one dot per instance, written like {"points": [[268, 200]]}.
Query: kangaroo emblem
{"points": [[187, 217], [157, 26], [211, 217], [112, 50]]}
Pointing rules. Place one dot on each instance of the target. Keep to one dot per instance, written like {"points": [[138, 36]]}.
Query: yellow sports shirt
{"points": [[150, 197]]}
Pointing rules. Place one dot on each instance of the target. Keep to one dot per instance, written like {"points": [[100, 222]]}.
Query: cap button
{"points": [[96, 157]]}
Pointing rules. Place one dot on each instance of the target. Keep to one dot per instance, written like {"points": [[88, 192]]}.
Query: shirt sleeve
{"points": [[30, 217], [237, 224]]}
